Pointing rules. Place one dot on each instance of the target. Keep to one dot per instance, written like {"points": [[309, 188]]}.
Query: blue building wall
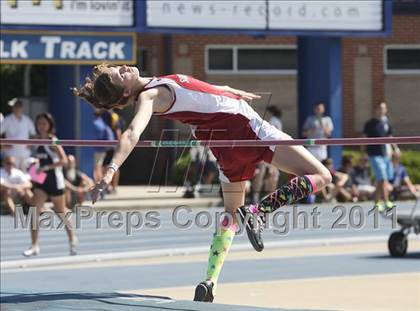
{"points": [[320, 79], [63, 106], [87, 130], [60, 101]]}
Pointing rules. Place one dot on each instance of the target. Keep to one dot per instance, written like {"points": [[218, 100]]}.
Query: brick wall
{"points": [[364, 81], [406, 30]]}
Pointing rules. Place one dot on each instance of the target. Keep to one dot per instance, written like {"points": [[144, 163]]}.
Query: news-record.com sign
{"points": [[68, 12], [309, 15], [47, 47]]}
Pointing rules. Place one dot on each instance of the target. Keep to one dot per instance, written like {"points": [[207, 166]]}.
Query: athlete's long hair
{"points": [[100, 90]]}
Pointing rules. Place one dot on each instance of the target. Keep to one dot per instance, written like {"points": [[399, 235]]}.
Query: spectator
{"points": [[203, 170], [316, 127], [51, 161], [15, 185], [267, 176], [77, 183], [339, 179], [362, 180], [207, 167], [273, 116], [347, 190], [102, 132], [328, 194], [379, 126], [114, 121], [265, 181], [116, 124], [400, 181], [17, 125]]}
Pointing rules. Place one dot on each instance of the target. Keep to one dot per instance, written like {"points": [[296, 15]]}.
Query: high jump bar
{"points": [[218, 143]]}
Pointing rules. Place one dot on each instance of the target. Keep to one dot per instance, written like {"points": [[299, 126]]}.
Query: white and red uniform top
{"points": [[214, 114]]}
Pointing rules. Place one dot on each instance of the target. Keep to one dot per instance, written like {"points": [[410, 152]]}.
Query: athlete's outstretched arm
{"points": [[127, 142], [243, 94], [131, 136]]}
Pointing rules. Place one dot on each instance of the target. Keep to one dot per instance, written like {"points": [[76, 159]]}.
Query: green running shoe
{"points": [[380, 207], [389, 205]]}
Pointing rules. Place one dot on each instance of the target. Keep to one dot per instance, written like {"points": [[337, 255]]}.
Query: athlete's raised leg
{"points": [[311, 176], [233, 198]]}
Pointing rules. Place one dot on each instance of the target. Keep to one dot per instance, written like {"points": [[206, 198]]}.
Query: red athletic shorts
{"points": [[239, 163]]}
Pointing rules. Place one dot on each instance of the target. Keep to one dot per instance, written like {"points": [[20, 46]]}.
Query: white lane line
{"points": [[53, 261]]}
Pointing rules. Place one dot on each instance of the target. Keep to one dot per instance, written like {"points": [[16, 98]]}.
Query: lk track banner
{"points": [[67, 47]]}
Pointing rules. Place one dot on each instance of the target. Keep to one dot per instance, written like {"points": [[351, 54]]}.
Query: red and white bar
{"points": [[220, 143]]}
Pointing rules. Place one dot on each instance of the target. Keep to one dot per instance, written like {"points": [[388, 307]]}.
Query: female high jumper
{"points": [[214, 113]]}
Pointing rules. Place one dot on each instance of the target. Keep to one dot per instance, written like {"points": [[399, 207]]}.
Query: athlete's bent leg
{"points": [[312, 176], [233, 197]]}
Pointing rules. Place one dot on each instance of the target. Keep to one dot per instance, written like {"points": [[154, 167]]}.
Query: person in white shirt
{"points": [[273, 116], [316, 127], [17, 125], [14, 185]]}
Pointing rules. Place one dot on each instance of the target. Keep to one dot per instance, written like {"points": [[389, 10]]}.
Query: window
{"points": [[266, 59], [403, 59], [406, 6], [251, 59], [220, 59]]}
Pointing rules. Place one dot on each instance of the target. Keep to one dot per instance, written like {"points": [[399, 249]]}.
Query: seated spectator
{"points": [[15, 185], [203, 171], [346, 189], [362, 180], [265, 181], [77, 184], [337, 188], [328, 193], [401, 183]]}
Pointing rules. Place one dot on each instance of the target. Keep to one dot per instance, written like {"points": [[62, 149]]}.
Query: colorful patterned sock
{"points": [[218, 251], [296, 189]]}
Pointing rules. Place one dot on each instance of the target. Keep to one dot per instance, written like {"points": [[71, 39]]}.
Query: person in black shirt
{"points": [[379, 159]]}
